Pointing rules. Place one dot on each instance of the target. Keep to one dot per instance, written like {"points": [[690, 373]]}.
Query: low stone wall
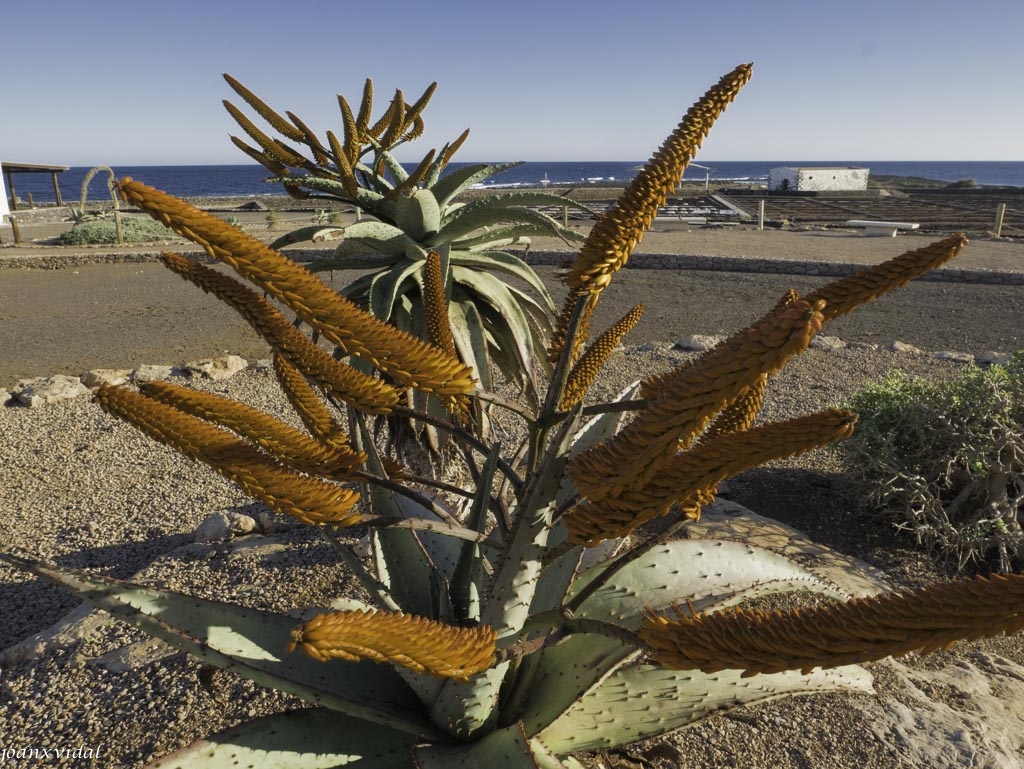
{"points": [[53, 261]]}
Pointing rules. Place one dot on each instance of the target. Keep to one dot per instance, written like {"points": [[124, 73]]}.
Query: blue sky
{"points": [[140, 83]]}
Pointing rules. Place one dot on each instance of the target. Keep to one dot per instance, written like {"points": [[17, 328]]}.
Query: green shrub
{"points": [[946, 460], [101, 232]]}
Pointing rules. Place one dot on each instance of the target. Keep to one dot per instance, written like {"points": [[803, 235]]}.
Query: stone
{"points": [[263, 366], [898, 346], [253, 205], [220, 526], [959, 357], [827, 343], [5, 398], [698, 342], [217, 369], [42, 390], [988, 358], [106, 376], [152, 373]]}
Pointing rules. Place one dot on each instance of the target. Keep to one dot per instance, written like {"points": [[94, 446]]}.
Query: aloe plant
{"points": [[493, 320], [523, 617]]}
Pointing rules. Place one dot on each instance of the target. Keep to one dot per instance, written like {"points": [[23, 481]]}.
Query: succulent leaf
{"points": [[711, 574], [641, 701], [249, 642], [448, 187], [315, 738]]}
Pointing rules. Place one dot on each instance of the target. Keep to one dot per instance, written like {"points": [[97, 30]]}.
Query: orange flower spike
{"points": [[846, 294], [688, 398], [861, 630], [308, 405], [341, 380], [417, 643], [690, 478], [590, 364], [282, 489], [294, 448], [618, 230], [402, 356]]}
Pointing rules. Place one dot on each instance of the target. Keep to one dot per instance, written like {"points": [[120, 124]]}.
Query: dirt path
{"points": [[122, 315]]}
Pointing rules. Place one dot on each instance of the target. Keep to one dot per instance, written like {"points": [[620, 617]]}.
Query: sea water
{"points": [[250, 180]]}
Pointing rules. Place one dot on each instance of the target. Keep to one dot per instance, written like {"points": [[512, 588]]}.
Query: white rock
{"points": [[152, 373], [106, 376], [223, 525], [5, 396], [959, 357], [42, 390], [992, 358], [827, 343], [217, 369], [898, 346], [698, 342]]}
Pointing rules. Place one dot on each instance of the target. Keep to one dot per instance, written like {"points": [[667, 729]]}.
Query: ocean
{"points": [[248, 180]]}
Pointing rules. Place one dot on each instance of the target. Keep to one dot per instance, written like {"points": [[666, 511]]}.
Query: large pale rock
{"points": [[42, 390], [217, 369], [222, 526], [898, 346], [993, 358], [821, 342], [106, 376], [959, 357], [152, 373], [5, 396], [698, 342]]}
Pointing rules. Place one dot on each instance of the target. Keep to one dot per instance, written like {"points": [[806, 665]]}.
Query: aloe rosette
{"points": [[511, 622], [499, 311]]}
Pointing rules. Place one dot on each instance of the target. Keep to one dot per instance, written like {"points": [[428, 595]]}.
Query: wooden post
{"points": [[760, 215], [31, 202], [14, 195], [1000, 213], [565, 216], [56, 188], [15, 230]]}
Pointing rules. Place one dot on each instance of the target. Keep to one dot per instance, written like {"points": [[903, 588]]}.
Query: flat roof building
{"points": [[818, 178]]}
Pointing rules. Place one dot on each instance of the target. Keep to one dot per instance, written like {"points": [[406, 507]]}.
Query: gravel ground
{"points": [[86, 491]]}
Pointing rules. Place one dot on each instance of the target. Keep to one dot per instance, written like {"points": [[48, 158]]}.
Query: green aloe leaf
{"points": [[315, 233], [709, 574], [639, 701], [401, 560], [468, 578], [500, 298], [508, 748], [498, 261], [418, 214], [389, 285], [298, 739], [468, 335], [249, 642], [475, 216], [377, 236], [451, 184]]}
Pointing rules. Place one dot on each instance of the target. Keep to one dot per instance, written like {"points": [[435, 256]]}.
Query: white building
{"points": [[818, 178]]}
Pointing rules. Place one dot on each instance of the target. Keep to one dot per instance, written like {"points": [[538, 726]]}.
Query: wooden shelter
{"points": [[9, 169]]}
